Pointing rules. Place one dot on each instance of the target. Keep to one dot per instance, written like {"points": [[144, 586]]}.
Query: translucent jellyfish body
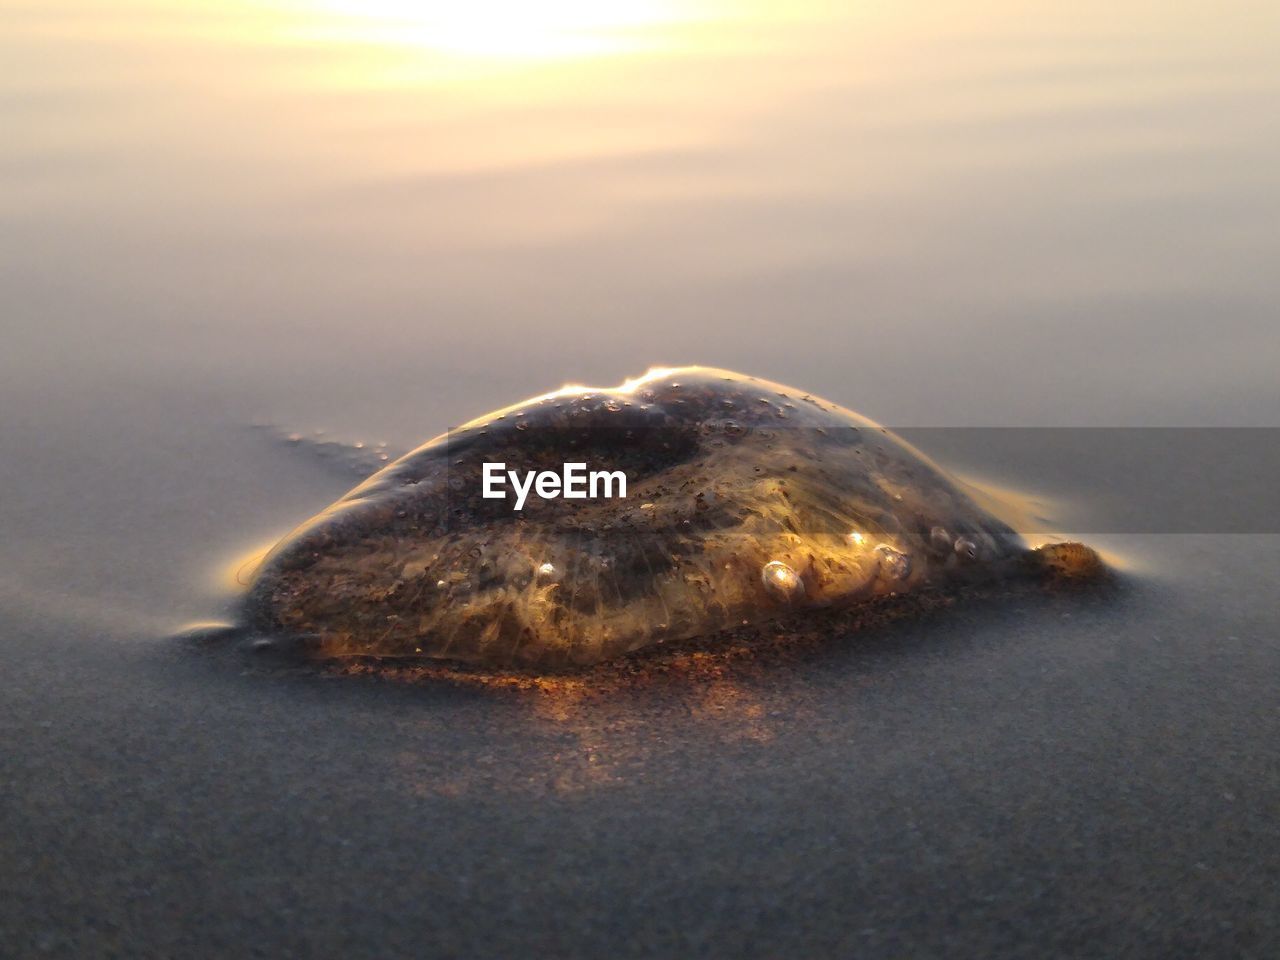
{"points": [[744, 499]]}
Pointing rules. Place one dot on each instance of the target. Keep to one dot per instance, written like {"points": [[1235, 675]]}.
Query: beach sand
{"points": [[1089, 773], [1083, 778]]}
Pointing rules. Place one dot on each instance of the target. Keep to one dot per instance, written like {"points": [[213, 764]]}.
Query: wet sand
{"points": [[1088, 774]]}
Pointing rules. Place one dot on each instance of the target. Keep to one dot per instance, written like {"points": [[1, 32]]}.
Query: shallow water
{"points": [[939, 215]]}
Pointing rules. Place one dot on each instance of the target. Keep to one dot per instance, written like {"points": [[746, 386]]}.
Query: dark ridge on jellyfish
{"points": [[746, 501]]}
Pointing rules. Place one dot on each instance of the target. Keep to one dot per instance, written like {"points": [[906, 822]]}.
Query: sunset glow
{"points": [[503, 29]]}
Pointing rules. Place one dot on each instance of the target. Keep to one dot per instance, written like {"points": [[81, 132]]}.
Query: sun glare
{"points": [[504, 29]]}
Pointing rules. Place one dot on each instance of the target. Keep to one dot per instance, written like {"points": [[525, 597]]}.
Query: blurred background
{"points": [[391, 216]]}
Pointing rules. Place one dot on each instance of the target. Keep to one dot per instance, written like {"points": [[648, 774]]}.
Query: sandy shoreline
{"points": [[1072, 778]]}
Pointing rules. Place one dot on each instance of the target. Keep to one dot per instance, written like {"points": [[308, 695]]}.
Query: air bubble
{"points": [[895, 564], [781, 581]]}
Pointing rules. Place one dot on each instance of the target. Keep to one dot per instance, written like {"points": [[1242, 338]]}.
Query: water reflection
{"points": [[596, 730]]}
